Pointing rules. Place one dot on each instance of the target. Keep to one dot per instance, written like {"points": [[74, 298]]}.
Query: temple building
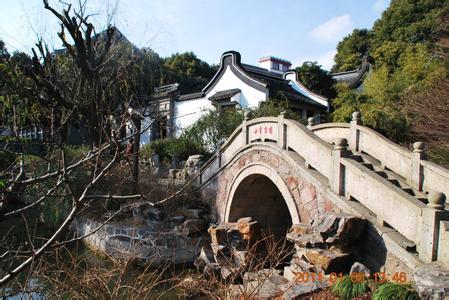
{"points": [[234, 85]]}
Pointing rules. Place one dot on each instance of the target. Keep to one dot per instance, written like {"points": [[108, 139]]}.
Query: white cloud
{"points": [[326, 60], [333, 29], [380, 5]]}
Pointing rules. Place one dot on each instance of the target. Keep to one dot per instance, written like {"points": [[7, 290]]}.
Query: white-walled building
{"points": [[245, 85]]}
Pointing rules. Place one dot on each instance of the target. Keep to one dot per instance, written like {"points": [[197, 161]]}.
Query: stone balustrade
{"points": [[414, 219]]}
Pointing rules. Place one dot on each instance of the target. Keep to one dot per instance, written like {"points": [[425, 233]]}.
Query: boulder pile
{"points": [[323, 246]]}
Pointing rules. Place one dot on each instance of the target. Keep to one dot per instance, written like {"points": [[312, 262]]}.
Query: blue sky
{"points": [[296, 30]]}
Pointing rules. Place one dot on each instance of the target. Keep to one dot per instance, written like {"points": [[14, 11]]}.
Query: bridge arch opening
{"points": [[258, 197]]}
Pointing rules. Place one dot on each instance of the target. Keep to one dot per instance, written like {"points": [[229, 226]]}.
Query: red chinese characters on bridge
{"points": [[263, 129]]}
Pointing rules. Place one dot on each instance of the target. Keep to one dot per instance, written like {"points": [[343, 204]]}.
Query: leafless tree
{"points": [[87, 83]]}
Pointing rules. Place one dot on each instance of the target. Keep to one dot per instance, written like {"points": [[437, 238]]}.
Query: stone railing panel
{"points": [[435, 178], [316, 152], [329, 131], [389, 203], [390, 155]]}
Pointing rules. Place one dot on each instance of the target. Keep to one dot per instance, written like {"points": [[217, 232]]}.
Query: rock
{"points": [[212, 270], [431, 281], [177, 220], [256, 290], [313, 240], [301, 229], [349, 230], [193, 164], [225, 234], [155, 161], [326, 224], [193, 213], [265, 274], [192, 226], [303, 289], [205, 257], [153, 214], [249, 228], [329, 261], [360, 268], [137, 212]]}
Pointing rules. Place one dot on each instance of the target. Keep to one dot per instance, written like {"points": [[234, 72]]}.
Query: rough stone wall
{"points": [[309, 201], [154, 243]]}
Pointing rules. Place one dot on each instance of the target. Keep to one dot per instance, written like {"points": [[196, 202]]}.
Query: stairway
{"points": [[375, 165]]}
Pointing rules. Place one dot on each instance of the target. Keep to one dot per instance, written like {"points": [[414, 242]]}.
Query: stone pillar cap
{"points": [[418, 147], [340, 144], [436, 200], [311, 121], [356, 115]]}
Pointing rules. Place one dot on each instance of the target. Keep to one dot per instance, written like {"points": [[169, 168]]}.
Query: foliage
{"points": [[273, 108], [403, 44], [316, 79], [351, 49], [347, 288], [417, 21], [212, 127], [428, 110], [189, 71], [169, 148], [390, 291], [384, 116]]}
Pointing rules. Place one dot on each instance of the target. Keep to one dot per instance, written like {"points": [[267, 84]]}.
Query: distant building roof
{"points": [[224, 95], [191, 96], [275, 59], [354, 78]]}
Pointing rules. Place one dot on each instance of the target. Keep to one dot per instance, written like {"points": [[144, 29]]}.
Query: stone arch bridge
{"points": [[281, 172]]}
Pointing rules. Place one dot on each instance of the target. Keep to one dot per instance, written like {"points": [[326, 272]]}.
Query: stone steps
{"points": [[375, 166]]}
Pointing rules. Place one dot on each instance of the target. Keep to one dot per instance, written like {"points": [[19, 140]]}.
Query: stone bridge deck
{"points": [[333, 167]]}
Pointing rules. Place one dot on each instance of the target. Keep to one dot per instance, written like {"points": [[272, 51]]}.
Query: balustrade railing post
{"points": [[416, 175], [282, 137], [354, 136], [337, 180], [245, 128], [311, 122], [219, 152], [432, 214]]}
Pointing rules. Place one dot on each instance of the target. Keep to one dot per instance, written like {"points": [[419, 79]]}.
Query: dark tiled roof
{"points": [[191, 96], [260, 71], [353, 78], [279, 87], [224, 95]]}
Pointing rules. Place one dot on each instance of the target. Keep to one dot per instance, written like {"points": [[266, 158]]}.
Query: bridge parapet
{"points": [[412, 166]]}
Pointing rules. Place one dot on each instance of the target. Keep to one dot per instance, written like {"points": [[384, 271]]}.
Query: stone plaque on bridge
{"points": [[263, 132]]}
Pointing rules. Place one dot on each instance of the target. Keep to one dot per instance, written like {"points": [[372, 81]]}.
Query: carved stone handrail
{"points": [[419, 173]]}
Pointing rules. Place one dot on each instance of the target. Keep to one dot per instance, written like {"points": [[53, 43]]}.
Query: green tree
{"points": [[316, 79], [188, 70], [351, 50]]}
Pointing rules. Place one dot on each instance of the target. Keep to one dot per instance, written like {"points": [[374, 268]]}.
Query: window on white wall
{"points": [[275, 66]]}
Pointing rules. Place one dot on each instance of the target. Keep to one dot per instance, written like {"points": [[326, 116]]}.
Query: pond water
{"points": [[78, 272]]}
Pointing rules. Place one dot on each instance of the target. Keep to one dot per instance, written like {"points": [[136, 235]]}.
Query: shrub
{"points": [[274, 108], [393, 291], [212, 127], [168, 148], [347, 288]]}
